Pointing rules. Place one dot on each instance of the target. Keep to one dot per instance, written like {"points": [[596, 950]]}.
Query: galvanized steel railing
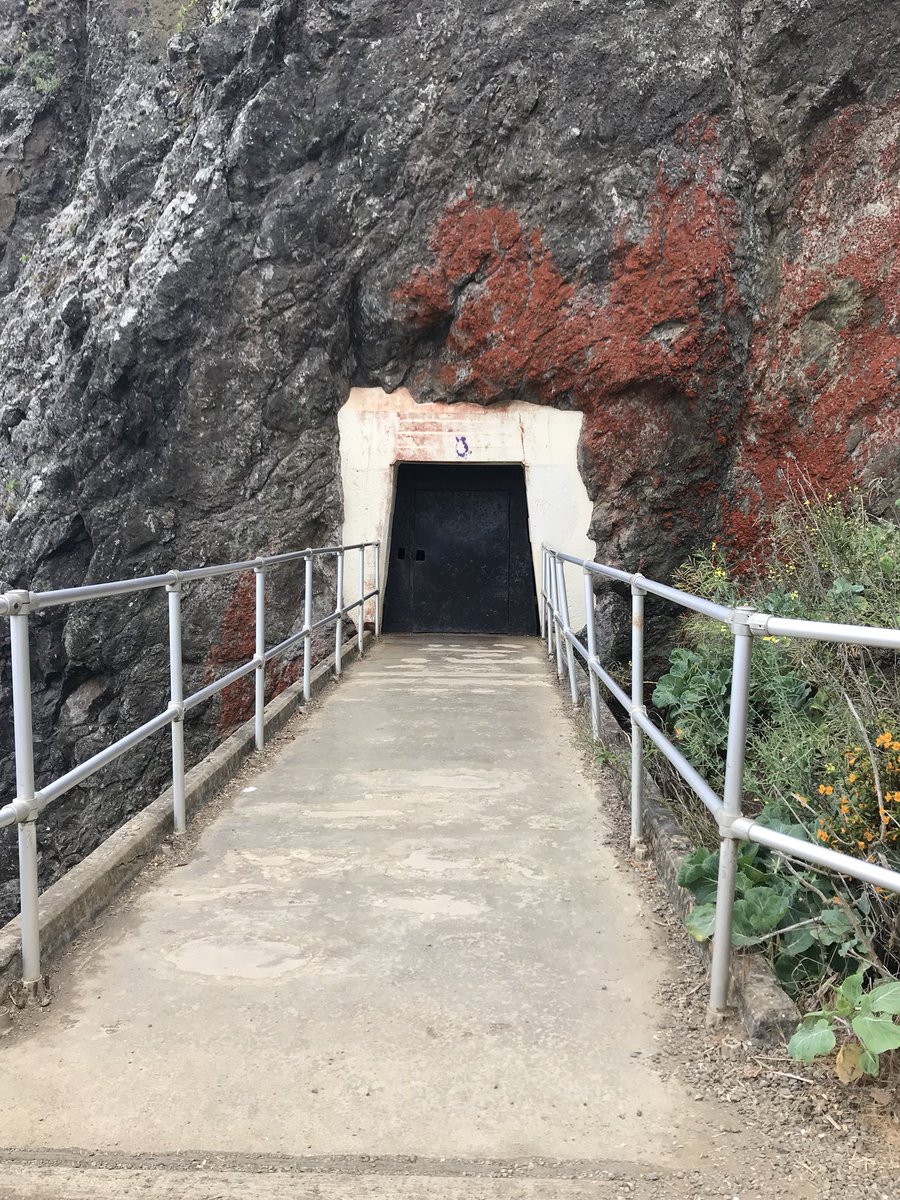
{"points": [[745, 624], [19, 606]]}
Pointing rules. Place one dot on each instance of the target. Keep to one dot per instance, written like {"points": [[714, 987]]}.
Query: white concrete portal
{"points": [[378, 430]]}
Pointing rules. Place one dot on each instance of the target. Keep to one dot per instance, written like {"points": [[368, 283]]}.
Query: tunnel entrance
{"points": [[460, 557]]}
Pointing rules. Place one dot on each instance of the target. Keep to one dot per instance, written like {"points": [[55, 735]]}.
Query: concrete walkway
{"points": [[406, 937]]}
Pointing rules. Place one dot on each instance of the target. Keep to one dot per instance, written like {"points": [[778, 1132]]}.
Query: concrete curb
{"points": [[70, 904], [767, 1013]]}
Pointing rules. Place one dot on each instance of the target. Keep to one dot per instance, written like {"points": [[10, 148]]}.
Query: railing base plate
{"points": [[32, 992]]}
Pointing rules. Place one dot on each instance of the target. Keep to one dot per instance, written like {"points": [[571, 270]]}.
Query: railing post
{"points": [[551, 606], [557, 618], [360, 634], [732, 796], [307, 625], [547, 603], [543, 595], [377, 553], [592, 652], [637, 705], [259, 675], [176, 698], [564, 613], [24, 748], [339, 609]]}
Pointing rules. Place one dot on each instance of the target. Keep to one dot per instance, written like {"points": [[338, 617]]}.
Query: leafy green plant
{"points": [[820, 753], [859, 1024], [806, 928]]}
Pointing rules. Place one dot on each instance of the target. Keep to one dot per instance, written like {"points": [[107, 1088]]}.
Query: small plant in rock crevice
{"points": [[199, 13]]}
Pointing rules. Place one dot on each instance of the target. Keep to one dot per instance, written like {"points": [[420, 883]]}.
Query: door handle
{"points": [[420, 556]]}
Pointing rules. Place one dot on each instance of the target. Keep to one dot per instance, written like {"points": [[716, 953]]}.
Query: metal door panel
{"points": [[461, 564]]}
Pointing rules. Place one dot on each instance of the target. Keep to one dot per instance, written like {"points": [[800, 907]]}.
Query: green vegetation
{"points": [[823, 755], [859, 1024], [39, 68]]}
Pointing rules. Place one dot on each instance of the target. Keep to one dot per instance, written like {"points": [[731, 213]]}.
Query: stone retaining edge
{"points": [[68, 906], [767, 1013]]}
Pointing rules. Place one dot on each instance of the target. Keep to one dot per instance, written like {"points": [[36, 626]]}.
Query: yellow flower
{"points": [[852, 777]]}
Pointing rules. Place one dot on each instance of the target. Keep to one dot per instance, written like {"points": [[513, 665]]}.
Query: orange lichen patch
{"points": [[825, 358]]}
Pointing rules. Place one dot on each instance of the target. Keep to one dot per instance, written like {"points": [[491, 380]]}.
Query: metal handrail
{"points": [[745, 624], [19, 606]]}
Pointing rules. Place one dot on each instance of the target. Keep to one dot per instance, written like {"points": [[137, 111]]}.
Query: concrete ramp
{"points": [[406, 937]]}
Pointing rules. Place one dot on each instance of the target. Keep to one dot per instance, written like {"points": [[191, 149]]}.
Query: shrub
{"points": [[822, 759]]}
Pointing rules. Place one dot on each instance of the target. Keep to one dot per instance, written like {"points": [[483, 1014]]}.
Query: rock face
{"points": [[680, 218]]}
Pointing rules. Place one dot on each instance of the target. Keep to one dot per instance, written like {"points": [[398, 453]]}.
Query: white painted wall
{"points": [[380, 429]]}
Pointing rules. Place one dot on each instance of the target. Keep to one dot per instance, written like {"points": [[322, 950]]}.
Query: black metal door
{"points": [[460, 558]]}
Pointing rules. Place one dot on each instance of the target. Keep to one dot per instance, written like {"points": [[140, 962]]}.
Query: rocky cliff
{"points": [[680, 218]]}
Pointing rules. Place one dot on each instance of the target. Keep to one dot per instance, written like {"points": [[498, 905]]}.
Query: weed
{"points": [[39, 68]]}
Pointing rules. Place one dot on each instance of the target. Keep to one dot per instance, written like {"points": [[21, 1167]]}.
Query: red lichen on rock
{"points": [[523, 329], [823, 404], [236, 647], [635, 357]]}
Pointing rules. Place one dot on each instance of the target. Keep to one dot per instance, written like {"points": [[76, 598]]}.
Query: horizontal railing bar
{"points": [[605, 677], [760, 623], [219, 685], [356, 603], [291, 640], [825, 631], [579, 646], [225, 569], [121, 587], [98, 591], [102, 759], [689, 774], [685, 599], [596, 568], [823, 856], [322, 623]]}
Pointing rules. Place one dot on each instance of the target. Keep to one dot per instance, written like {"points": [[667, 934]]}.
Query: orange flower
{"points": [[822, 835]]}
